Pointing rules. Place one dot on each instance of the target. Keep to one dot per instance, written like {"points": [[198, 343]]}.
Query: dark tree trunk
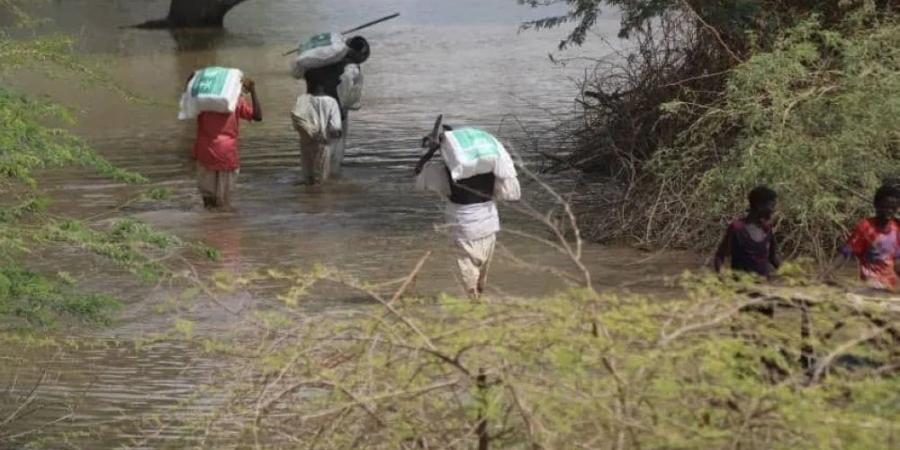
{"points": [[194, 14]]}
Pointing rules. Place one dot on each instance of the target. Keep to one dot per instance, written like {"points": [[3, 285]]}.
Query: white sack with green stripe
{"points": [[470, 151], [213, 89], [319, 51]]}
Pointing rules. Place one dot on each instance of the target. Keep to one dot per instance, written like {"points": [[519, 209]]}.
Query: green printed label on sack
{"points": [[209, 82], [319, 40], [476, 144]]}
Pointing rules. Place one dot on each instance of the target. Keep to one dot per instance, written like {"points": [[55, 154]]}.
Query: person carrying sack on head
{"points": [[216, 148], [341, 81], [471, 213]]}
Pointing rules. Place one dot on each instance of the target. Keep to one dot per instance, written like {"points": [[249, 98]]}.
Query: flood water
{"points": [[464, 58]]}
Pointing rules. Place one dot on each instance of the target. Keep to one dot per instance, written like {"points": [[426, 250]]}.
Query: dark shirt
{"points": [[752, 247], [468, 191], [328, 77]]}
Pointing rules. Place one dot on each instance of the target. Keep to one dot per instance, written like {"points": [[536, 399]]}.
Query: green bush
{"points": [[815, 118], [703, 370], [37, 301]]}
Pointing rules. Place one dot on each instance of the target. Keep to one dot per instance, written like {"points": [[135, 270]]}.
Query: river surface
{"points": [[465, 59]]}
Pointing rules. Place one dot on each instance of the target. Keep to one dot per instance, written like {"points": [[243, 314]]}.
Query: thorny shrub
{"points": [[709, 369], [814, 117]]}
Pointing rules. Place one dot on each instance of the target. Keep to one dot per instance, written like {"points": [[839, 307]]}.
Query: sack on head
{"points": [[470, 151], [319, 51], [213, 89]]}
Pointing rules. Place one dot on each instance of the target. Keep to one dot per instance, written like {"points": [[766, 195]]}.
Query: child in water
{"points": [[749, 240]]}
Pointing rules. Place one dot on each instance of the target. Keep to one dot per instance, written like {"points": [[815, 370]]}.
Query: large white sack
{"points": [[507, 189], [434, 178], [350, 89], [319, 51], [213, 89], [470, 151]]}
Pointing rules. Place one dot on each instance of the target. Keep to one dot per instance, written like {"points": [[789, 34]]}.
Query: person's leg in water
{"points": [[488, 246], [338, 147], [473, 258], [225, 183], [206, 184], [314, 159]]}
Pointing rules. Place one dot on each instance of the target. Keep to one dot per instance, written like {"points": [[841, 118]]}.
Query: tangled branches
{"points": [[707, 370]]}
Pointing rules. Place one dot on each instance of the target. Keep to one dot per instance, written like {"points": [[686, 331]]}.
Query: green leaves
{"points": [[815, 120], [37, 301], [27, 144]]}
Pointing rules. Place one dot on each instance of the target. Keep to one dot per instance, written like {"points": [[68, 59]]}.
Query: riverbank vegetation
{"points": [[728, 364], [717, 97], [724, 363], [33, 139]]}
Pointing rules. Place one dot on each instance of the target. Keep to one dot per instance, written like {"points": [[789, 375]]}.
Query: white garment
{"points": [[474, 259], [434, 178], [318, 116], [471, 222], [350, 89], [338, 145], [507, 189]]}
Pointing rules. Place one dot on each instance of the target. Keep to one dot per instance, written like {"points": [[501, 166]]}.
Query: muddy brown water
{"points": [[465, 59]]}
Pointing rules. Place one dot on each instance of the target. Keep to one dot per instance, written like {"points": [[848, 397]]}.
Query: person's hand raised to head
{"points": [[248, 84]]}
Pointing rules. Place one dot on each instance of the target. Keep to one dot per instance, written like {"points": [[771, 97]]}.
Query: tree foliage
{"points": [[733, 19], [816, 120], [33, 138], [717, 97]]}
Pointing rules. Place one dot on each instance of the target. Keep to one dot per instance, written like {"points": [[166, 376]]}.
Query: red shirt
{"points": [[216, 146], [876, 249]]}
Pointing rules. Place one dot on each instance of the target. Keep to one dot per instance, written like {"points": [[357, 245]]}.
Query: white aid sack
{"points": [[213, 89], [434, 178], [350, 89], [319, 51], [470, 151]]}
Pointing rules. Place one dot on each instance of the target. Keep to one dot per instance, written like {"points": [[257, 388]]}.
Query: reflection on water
{"points": [[463, 58]]}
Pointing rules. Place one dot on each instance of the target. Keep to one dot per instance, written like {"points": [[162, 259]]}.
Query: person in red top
{"points": [[216, 149], [875, 242]]}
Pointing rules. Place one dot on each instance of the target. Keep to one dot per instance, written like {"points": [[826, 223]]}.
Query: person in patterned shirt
{"points": [[875, 242]]}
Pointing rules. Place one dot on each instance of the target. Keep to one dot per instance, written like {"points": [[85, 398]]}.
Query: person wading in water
{"points": [[333, 80], [472, 216]]}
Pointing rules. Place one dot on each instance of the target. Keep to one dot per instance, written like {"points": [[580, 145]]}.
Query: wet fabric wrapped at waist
{"points": [[318, 116], [474, 221]]}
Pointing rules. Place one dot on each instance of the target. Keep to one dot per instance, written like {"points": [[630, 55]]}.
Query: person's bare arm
{"points": [[250, 86]]}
